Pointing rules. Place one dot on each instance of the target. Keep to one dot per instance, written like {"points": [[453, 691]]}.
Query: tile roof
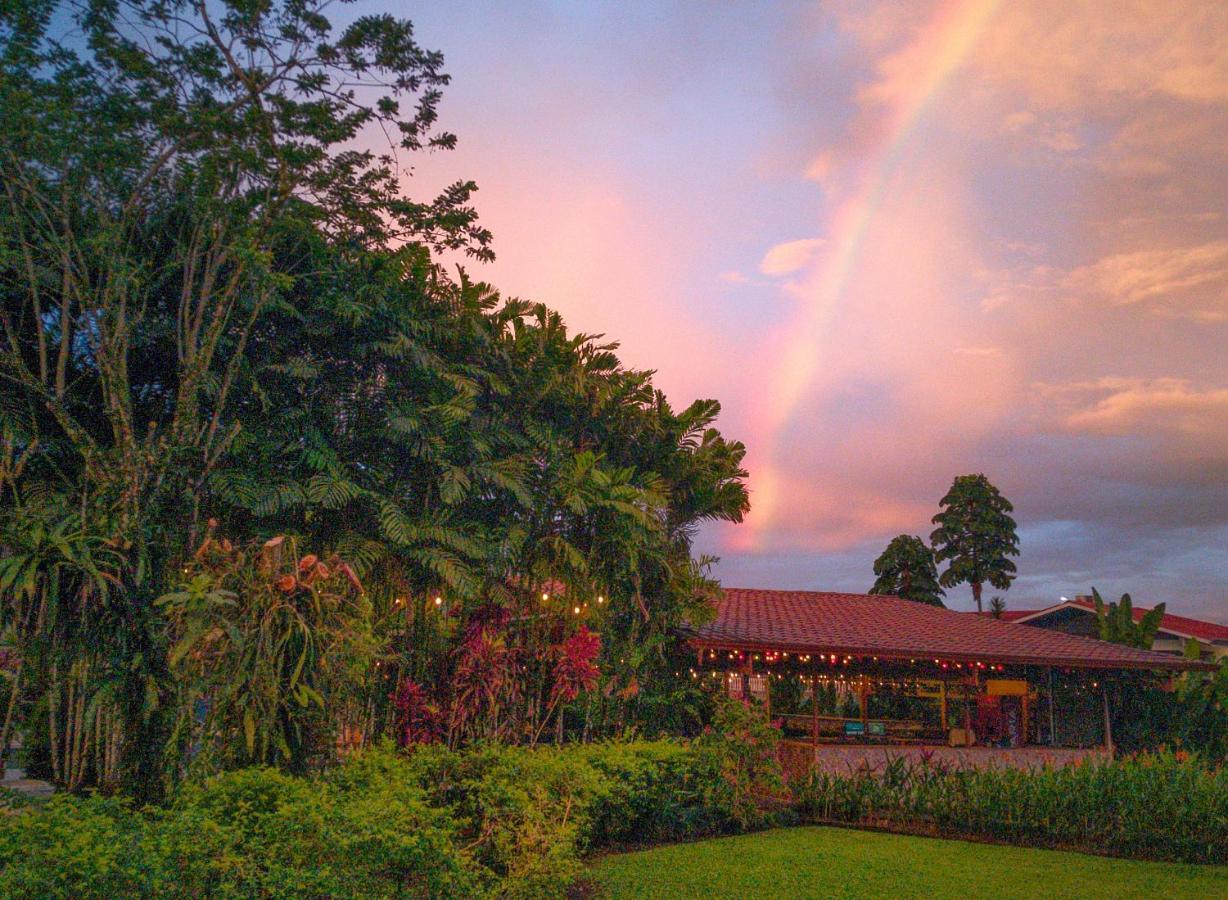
{"points": [[865, 624], [1180, 625]]}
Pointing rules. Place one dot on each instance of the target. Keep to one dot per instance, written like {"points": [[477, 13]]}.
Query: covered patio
{"points": [[845, 671]]}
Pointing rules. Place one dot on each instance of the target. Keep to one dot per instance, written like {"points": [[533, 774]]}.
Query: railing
{"points": [[835, 728]]}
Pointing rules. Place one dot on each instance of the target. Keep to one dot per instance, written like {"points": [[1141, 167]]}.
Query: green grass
{"points": [[834, 862]]}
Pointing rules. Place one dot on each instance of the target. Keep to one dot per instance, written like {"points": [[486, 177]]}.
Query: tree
{"points": [[148, 167], [1117, 625], [975, 535], [997, 606], [906, 569], [219, 315]]}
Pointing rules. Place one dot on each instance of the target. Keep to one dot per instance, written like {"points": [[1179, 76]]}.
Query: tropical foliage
{"points": [[975, 536], [224, 325], [907, 569], [1115, 622]]}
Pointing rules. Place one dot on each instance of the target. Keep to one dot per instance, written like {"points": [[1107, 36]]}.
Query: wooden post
{"points": [[863, 702], [1052, 726], [814, 714], [747, 669], [1108, 725], [1026, 719], [767, 695], [942, 703]]}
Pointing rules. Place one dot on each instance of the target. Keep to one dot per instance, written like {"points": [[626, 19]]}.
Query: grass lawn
{"points": [[835, 862]]}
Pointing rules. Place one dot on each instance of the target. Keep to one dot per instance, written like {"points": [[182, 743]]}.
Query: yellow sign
{"points": [[1005, 687]]}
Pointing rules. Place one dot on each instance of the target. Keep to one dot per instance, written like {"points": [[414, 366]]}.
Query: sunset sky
{"points": [[898, 242]]}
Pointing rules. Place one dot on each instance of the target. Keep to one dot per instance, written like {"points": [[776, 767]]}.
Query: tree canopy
{"points": [[223, 323], [906, 569], [975, 536]]}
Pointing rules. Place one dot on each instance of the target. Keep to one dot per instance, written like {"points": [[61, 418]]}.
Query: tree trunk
{"points": [[976, 594]]}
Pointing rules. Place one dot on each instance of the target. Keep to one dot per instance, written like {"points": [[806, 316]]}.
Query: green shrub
{"points": [[654, 793], [738, 768], [74, 847], [255, 832], [1155, 806]]}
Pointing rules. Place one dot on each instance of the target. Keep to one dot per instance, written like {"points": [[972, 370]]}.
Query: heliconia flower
{"points": [[307, 562], [287, 583], [322, 570]]}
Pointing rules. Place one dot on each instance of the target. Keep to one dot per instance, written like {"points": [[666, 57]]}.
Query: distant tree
{"points": [[1117, 625], [907, 569], [976, 535], [997, 606]]}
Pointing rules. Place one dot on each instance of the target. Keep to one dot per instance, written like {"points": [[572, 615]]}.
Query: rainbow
{"points": [[941, 46]]}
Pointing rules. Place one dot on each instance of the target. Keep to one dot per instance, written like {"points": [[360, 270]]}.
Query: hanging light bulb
{"points": [[439, 601]]}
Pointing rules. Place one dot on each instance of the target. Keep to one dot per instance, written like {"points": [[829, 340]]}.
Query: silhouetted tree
{"points": [[976, 535], [906, 569]]}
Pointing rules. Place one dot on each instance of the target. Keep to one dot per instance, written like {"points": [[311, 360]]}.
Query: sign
{"points": [[877, 728], [851, 728], [1005, 687]]}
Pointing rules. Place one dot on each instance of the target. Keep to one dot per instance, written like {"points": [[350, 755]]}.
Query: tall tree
{"points": [[976, 536], [148, 165], [907, 569]]}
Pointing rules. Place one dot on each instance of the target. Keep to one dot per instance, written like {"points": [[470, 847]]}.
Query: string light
{"points": [[439, 601]]}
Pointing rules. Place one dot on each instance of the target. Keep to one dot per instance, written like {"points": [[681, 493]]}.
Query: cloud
{"points": [[1191, 275], [1140, 406], [733, 276], [789, 257]]}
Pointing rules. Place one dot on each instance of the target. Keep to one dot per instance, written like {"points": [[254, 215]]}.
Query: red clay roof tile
{"points": [[866, 624]]}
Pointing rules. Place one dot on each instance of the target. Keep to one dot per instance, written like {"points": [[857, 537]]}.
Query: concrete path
{"points": [[15, 780]]}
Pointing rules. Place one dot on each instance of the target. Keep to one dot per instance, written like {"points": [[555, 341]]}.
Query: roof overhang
{"points": [[1164, 663]]}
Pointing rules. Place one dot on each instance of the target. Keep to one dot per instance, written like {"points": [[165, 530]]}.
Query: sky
{"points": [[899, 242]]}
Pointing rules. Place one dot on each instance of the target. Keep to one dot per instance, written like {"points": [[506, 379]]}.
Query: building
{"points": [[859, 668], [1078, 616]]}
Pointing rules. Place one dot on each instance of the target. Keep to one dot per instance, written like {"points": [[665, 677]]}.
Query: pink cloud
{"points": [[786, 258]]}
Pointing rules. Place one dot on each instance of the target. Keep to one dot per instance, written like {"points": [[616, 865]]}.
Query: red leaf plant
{"points": [[575, 671], [484, 682], [419, 719]]}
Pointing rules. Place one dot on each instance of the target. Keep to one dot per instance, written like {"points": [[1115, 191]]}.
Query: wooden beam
{"points": [[1108, 724]]}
